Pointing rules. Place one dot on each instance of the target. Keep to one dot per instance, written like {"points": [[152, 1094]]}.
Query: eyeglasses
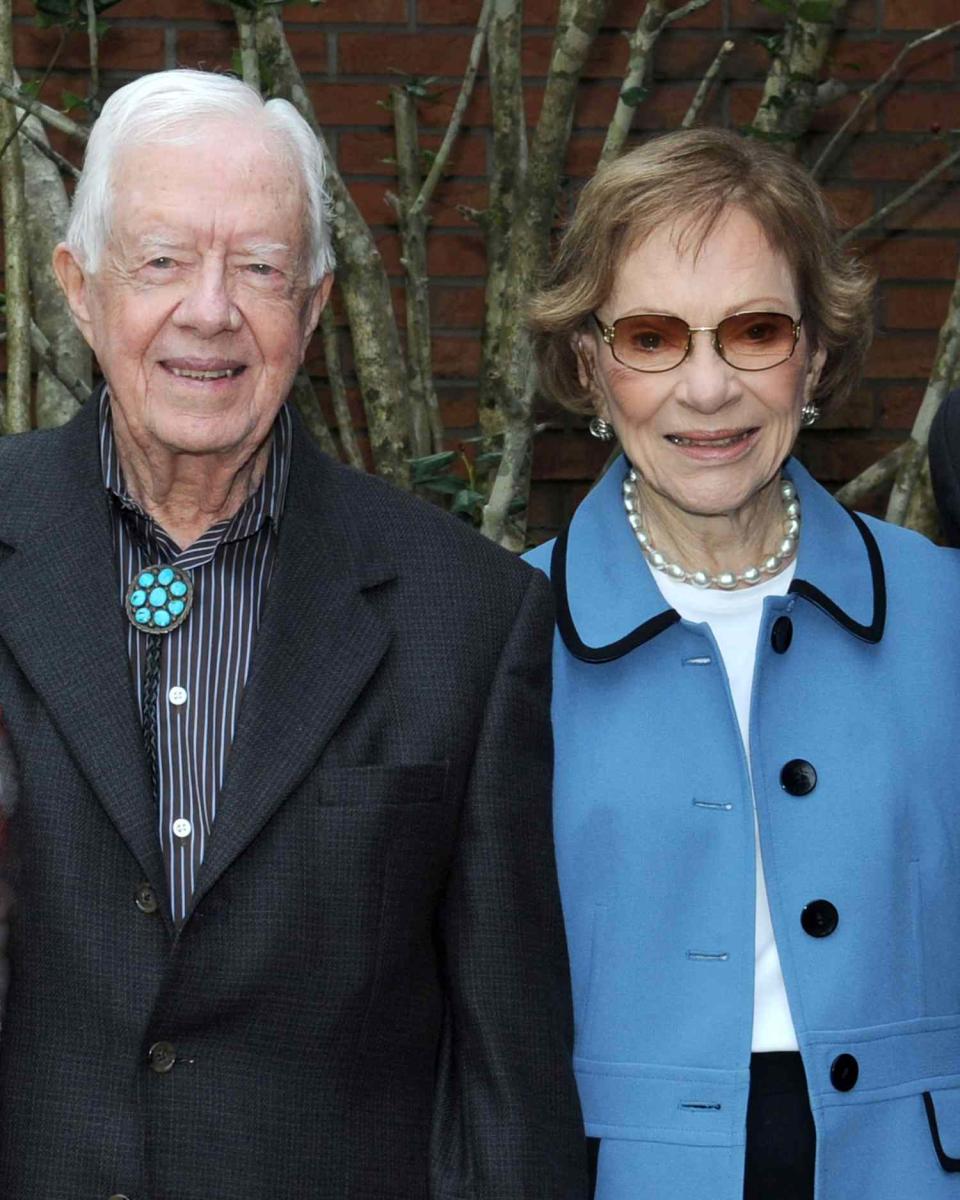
{"points": [[748, 341]]}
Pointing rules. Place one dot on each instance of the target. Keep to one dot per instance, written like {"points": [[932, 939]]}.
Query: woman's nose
{"points": [[707, 382]]}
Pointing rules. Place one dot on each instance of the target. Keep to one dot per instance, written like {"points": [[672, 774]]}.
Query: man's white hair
{"points": [[172, 107]]}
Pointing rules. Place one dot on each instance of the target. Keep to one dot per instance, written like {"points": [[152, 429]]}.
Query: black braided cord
{"points": [[148, 707]]}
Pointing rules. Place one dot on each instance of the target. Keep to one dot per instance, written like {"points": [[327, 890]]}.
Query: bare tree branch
{"points": [[654, 19], [898, 201], [67, 357], [93, 40], [16, 412], [513, 383], [48, 152], [78, 388], [305, 398], [941, 379], [875, 476], [703, 91], [439, 163], [790, 92], [508, 172], [872, 94], [363, 279], [426, 432], [247, 33], [338, 390], [48, 115]]}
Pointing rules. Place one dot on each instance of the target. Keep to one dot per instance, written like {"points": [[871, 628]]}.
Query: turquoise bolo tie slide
{"points": [[159, 599]]}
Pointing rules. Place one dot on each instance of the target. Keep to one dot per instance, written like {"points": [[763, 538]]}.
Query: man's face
{"points": [[200, 311]]}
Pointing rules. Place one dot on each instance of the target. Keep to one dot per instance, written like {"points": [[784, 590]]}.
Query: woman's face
{"points": [[705, 436]]}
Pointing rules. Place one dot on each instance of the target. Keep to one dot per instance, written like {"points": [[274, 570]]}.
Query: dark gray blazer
{"points": [[369, 998], [945, 466]]}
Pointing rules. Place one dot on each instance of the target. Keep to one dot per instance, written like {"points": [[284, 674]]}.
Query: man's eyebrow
{"points": [[263, 249]]}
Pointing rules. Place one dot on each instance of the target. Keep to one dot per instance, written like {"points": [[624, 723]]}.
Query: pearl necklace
{"points": [[727, 580]]}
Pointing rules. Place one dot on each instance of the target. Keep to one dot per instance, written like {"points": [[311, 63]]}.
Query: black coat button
{"points": [[819, 918], [798, 777], [145, 898], [781, 635], [162, 1057], [844, 1072]]}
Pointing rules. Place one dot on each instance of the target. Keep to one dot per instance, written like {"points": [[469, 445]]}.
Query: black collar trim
{"points": [[568, 631], [868, 633], [649, 629]]}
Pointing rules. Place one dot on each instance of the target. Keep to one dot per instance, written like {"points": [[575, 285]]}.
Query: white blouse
{"points": [[734, 619]]}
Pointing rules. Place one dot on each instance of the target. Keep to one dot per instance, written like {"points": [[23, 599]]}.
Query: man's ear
{"points": [[315, 306], [74, 283]]}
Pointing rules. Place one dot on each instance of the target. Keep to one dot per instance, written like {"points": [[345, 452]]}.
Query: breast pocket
{"points": [[398, 783], [943, 1117]]}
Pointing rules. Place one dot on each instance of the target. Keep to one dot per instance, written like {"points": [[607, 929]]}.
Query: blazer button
{"points": [[798, 777], [844, 1072], [781, 635], [118, 1196], [162, 1057], [145, 898], [819, 918]]}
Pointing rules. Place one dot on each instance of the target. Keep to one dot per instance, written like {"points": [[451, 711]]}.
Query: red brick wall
{"points": [[349, 50]]}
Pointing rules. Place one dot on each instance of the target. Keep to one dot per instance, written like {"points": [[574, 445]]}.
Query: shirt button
{"points": [[177, 695], [182, 827], [162, 1056], [146, 898], [118, 1197]]}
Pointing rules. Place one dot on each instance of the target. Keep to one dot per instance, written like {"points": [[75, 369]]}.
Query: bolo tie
{"points": [[158, 601]]}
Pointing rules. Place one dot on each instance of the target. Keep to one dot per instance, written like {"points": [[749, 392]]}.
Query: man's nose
{"points": [[207, 307], [707, 383]]}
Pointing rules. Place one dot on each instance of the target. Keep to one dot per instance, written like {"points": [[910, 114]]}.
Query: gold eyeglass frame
{"points": [[609, 333]]}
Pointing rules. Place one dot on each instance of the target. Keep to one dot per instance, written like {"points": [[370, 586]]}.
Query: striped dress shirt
{"points": [[206, 660]]}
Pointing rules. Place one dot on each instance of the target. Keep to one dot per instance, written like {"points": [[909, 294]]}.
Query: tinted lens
{"points": [[650, 343], [755, 341]]}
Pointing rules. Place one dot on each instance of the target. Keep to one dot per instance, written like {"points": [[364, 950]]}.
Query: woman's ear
{"points": [[586, 365], [814, 370]]}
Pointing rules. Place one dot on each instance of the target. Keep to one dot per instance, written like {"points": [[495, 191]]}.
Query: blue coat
{"points": [[858, 677]]}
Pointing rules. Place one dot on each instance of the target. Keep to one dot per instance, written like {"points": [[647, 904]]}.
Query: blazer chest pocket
{"points": [[398, 783], [943, 1117]]}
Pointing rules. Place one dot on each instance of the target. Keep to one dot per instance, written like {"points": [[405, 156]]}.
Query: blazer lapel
{"points": [[319, 644], [61, 618]]}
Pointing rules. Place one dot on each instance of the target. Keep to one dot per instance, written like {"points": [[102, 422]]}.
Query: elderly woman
{"points": [[757, 699]]}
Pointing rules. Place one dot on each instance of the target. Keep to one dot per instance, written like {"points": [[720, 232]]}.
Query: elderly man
{"points": [[286, 914]]}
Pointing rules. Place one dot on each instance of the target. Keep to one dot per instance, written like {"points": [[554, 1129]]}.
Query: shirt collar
{"points": [[265, 504], [608, 603]]}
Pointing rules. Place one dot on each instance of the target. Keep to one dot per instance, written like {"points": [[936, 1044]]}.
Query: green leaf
{"points": [[772, 44], [820, 12], [70, 100], [631, 97], [517, 505], [489, 458], [447, 484], [430, 464], [31, 88], [783, 8], [465, 501], [763, 135]]}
